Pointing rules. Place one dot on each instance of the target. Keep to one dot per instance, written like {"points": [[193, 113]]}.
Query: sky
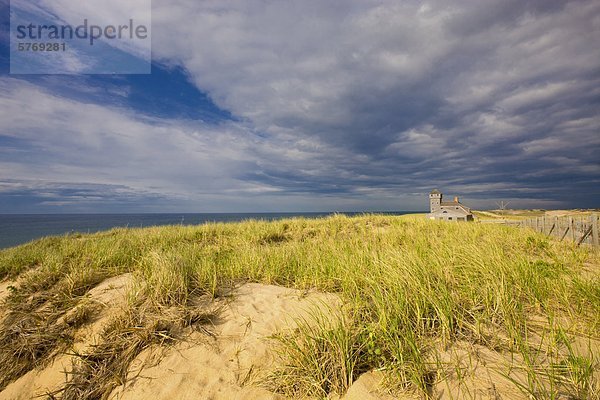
{"points": [[312, 105]]}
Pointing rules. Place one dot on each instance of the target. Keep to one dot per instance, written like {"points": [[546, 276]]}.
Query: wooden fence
{"points": [[581, 230]]}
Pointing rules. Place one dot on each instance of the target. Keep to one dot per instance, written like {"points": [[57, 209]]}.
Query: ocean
{"points": [[17, 229]]}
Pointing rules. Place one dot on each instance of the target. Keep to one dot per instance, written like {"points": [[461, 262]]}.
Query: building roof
{"points": [[454, 205], [435, 191], [451, 211]]}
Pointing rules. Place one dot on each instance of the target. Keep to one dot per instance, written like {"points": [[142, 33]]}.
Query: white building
{"points": [[447, 210]]}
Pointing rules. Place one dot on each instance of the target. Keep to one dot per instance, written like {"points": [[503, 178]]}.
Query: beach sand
{"points": [[227, 364], [231, 361]]}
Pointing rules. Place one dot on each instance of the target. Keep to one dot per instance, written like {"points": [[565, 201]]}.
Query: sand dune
{"points": [[224, 366], [231, 358], [228, 364], [110, 294]]}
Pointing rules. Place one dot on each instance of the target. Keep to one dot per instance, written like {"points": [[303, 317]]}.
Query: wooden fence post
{"points": [[595, 239], [564, 234], [544, 224], [584, 236], [572, 228], [553, 227]]}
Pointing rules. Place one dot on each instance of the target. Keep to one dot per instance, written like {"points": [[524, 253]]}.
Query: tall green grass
{"points": [[407, 282]]}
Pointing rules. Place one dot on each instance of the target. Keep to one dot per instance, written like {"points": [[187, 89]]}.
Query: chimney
{"points": [[456, 199]]}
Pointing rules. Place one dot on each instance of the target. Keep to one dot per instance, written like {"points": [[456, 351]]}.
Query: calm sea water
{"points": [[16, 229]]}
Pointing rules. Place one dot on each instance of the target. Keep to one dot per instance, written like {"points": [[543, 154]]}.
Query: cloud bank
{"points": [[344, 105]]}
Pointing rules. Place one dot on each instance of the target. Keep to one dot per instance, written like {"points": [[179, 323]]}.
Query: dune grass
{"points": [[410, 286]]}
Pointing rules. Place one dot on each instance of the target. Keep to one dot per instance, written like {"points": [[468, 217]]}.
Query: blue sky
{"points": [[313, 105]]}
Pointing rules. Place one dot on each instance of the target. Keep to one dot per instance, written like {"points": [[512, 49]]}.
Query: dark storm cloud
{"points": [[360, 100], [411, 95]]}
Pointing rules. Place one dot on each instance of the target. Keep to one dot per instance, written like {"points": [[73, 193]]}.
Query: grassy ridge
{"points": [[408, 283]]}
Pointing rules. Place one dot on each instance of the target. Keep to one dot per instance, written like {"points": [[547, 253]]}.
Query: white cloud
{"points": [[98, 144]]}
